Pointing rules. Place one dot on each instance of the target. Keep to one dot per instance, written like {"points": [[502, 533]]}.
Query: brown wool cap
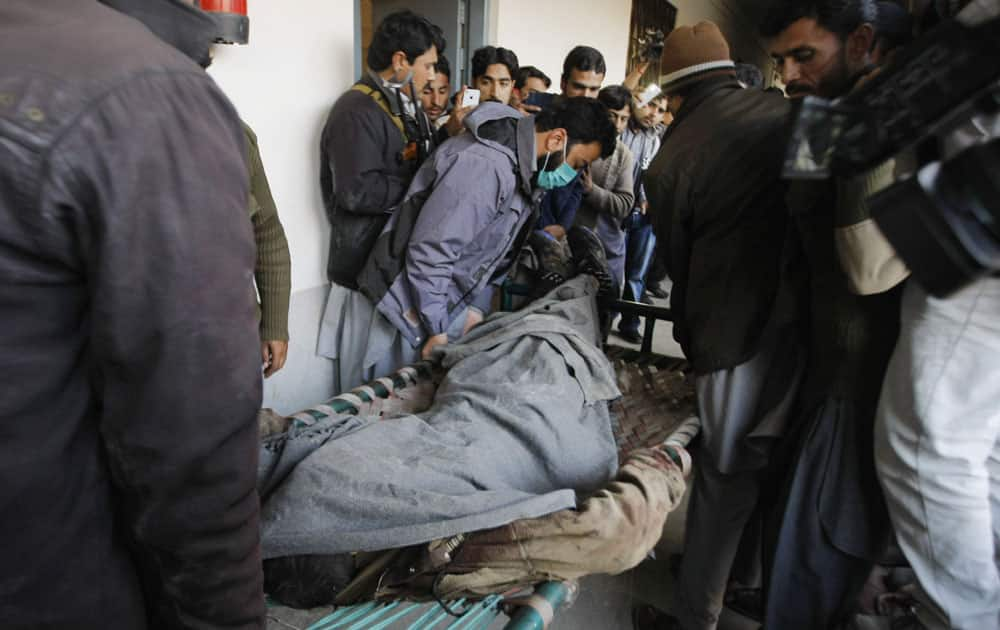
{"points": [[692, 52]]}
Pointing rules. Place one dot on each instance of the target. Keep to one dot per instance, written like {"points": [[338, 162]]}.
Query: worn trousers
{"points": [[744, 411], [938, 452]]}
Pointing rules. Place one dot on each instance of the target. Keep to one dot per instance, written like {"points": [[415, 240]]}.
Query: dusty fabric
{"points": [[363, 344], [129, 442], [519, 425], [610, 533]]}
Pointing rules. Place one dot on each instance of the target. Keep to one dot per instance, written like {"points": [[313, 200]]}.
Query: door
{"points": [[464, 23]]}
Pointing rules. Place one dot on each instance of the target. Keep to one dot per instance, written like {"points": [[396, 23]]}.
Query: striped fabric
{"points": [[359, 401]]}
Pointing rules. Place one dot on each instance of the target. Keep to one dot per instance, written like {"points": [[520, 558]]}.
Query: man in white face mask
{"points": [[463, 220]]}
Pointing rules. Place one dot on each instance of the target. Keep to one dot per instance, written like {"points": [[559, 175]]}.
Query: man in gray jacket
{"points": [[463, 218], [608, 186]]}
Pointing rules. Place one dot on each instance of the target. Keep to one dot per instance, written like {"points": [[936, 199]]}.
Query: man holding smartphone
{"points": [[493, 72]]}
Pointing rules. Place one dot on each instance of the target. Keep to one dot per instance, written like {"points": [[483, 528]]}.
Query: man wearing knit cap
{"points": [[720, 215]]}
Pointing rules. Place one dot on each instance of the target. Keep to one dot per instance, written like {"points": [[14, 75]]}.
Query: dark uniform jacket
{"points": [[128, 440], [719, 208], [366, 164]]}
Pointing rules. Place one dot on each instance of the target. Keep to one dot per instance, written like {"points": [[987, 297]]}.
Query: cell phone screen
{"points": [[540, 99], [471, 98]]}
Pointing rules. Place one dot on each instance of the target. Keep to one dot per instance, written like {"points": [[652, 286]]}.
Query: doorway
{"points": [[648, 17], [464, 23]]}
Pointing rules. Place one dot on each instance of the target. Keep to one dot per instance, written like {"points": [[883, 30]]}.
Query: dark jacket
{"points": [[462, 216], [560, 205], [832, 513], [128, 409], [719, 208], [365, 169]]}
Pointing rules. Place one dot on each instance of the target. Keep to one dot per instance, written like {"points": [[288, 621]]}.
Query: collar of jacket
{"points": [[522, 154], [185, 27], [375, 82], [396, 98], [702, 91], [526, 161]]}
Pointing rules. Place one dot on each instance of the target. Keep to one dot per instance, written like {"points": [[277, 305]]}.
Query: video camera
{"points": [[944, 220], [651, 44]]}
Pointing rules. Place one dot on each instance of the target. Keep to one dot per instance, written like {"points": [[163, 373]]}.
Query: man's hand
{"points": [[528, 110], [587, 181], [472, 319], [456, 122], [557, 232], [644, 208], [631, 82], [273, 354], [433, 342]]}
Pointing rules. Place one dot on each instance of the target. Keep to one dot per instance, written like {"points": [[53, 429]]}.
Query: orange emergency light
{"points": [[231, 18]]}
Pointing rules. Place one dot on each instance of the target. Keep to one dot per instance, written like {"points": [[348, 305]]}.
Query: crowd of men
{"points": [[850, 421]]}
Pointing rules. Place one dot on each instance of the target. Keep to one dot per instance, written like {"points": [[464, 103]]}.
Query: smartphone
{"points": [[471, 98], [540, 99]]}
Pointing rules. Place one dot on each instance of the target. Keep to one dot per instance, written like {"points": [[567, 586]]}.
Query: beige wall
{"points": [[555, 26], [542, 32], [283, 84]]}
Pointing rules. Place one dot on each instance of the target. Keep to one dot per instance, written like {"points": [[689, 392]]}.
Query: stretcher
{"points": [[411, 389]]}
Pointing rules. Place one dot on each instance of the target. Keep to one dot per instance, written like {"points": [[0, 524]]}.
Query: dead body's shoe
{"points": [[588, 253]]}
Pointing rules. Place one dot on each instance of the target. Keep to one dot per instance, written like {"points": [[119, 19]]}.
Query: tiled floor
{"points": [[604, 602]]}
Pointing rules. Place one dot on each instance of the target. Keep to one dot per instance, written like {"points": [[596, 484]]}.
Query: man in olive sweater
{"points": [[273, 266]]}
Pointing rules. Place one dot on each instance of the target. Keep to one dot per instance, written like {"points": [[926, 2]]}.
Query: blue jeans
{"points": [[640, 246]]}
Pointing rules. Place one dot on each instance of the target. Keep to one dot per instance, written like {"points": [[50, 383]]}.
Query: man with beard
{"points": [[833, 525], [493, 72], [129, 452]]}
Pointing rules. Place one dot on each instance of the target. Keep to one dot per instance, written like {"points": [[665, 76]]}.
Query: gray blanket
{"points": [[519, 425]]}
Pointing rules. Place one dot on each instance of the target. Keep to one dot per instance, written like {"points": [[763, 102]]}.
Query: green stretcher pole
{"points": [[537, 611]]}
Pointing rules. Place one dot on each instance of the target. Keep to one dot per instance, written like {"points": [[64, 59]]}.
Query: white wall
{"points": [[299, 60], [542, 32]]}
